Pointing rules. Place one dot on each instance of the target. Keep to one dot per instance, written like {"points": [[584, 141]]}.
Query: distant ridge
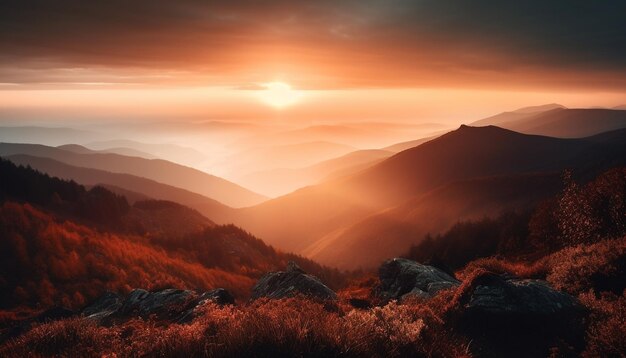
{"points": [[156, 169], [568, 123], [525, 112], [117, 150], [129, 184]]}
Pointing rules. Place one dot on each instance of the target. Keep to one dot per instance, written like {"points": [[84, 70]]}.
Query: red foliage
{"points": [[289, 327], [45, 263], [598, 266], [607, 329]]}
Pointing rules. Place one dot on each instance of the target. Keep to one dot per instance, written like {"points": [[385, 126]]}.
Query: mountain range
{"points": [[319, 213], [362, 206], [155, 169]]}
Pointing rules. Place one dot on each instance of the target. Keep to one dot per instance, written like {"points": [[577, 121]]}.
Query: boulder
{"points": [[132, 301], [169, 304], [291, 282], [501, 295], [166, 302], [497, 310], [401, 277]]}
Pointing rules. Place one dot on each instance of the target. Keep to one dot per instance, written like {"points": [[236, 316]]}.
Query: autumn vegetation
{"points": [[576, 241], [55, 252]]}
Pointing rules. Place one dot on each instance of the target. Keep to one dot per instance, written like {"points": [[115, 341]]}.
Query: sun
{"points": [[279, 95]]}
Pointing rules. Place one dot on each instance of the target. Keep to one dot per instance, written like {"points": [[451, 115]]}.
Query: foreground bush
{"points": [[289, 327], [607, 330]]}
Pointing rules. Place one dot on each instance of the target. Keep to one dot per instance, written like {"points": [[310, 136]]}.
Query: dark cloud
{"points": [[360, 43]]}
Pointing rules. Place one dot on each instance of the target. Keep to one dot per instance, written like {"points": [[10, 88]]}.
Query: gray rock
{"points": [[169, 304], [500, 295], [219, 296], [401, 277], [507, 314], [104, 306], [132, 301], [289, 283], [165, 302]]}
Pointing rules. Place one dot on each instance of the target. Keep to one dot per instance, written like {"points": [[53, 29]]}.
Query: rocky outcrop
{"points": [[500, 295], [169, 304], [401, 277], [291, 282], [104, 306], [496, 310]]}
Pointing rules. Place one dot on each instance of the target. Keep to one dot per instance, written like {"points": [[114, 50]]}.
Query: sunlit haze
{"points": [[312, 178]]}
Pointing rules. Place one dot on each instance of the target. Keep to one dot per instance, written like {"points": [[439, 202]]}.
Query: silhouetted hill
{"points": [[156, 169], [564, 123], [150, 188], [312, 213], [97, 206]]}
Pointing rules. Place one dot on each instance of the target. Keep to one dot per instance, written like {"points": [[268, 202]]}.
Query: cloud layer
{"points": [[316, 44]]}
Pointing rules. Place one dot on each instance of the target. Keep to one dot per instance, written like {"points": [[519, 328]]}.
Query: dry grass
{"points": [[291, 327]]}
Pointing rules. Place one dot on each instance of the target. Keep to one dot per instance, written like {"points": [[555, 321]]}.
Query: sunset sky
{"points": [[305, 61]]}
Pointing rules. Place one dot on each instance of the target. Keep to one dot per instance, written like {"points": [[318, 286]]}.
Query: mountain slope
{"points": [[150, 188], [168, 151], [390, 232], [399, 147], [560, 122], [501, 119], [117, 150], [312, 213], [59, 246], [156, 169]]}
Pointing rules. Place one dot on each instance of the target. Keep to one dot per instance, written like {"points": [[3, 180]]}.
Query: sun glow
{"points": [[279, 95]]}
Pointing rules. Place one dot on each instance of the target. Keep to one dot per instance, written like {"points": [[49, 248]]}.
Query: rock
{"points": [[165, 303], [105, 306], [219, 296], [498, 295], [132, 301], [169, 304], [496, 310], [289, 283], [400, 277]]}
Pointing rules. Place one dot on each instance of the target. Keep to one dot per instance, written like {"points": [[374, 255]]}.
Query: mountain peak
{"points": [[479, 129]]}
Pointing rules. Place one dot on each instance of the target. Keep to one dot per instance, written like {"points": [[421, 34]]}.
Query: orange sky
{"points": [[416, 105], [395, 60]]}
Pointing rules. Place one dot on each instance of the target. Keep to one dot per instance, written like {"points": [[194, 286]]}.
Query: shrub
{"points": [[607, 328], [293, 327], [598, 266]]}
